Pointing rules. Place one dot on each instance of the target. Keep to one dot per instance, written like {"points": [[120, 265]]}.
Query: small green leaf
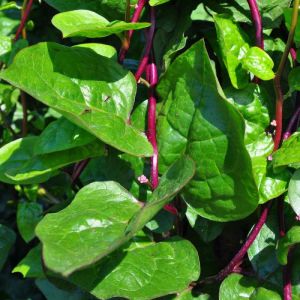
{"points": [[9, 5], [28, 216], [289, 152], [102, 217], [85, 23], [294, 192], [143, 272], [291, 238], [157, 2], [7, 240], [234, 47], [236, 287], [61, 135], [19, 165], [31, 265], [259, 63], [101, 49], [90, 90]]}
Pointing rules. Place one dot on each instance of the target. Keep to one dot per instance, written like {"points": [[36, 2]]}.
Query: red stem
{"points": [[256, 17], [135, 18], [251, 238], [144, 61], [78, 169], [23, 20]]}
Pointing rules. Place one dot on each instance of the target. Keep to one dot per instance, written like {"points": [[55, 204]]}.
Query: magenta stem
{"points": [[291, 124], [135, 18], [251, 238], [23, 20], [152, 78], [144, 61], [293, 54], [256, 17], [78, 169]]}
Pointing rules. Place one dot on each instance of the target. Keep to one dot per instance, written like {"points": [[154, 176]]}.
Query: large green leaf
{"points": [[28, 216], [236, 287], [288, 15], [101, 218], [112, 9], [85, 23], [197, 120], [142, 271], [90, 90], [19, 164], [7, 240], [294, 192], [291, 238], [289, 153], [234, 47]]}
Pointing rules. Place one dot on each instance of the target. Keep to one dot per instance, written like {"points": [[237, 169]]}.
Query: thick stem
{"points": [[144, 61], [256, 17], [277, 79], [291, 124], [251, 238], [136, 16], [24, 19]]}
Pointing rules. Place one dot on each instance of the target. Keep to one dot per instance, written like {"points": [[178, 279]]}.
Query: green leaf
{"points": [[19, 165], [7, 240], [236, 287], [288, 13], [252, 102], [234, 47], [259, 63], [157, 2], [28, 216], [61, 135], [188, 295], [90, 90], [291, 238], [197, 120], [143, 271], [9, 5], [5, 47], [271, 11], [262, 253], [112, 9], [85, 23], [294, 79], [102, 217], [207, 230], [270, 184], [101, 49], [31, 265], [294, 192], [289, 152]]}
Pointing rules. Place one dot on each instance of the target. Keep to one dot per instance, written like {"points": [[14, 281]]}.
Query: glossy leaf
{"points": [[85, 23], [101, 49], [31, 265], [102, 217], [294, 192], [61, 135], [289, 153], [196, 119], [28, 216], [93, 92], [259, 63], [143, 271], [236, 287], [112, 9], [7, 240], [234, 47], [18, 164], [291, 238]]}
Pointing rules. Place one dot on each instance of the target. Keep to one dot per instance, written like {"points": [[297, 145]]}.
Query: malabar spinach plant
{"points": [[150, 149]]}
